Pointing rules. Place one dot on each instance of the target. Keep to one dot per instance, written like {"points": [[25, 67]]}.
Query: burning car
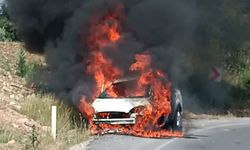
{"points": [[142, 105], [118, 104]]}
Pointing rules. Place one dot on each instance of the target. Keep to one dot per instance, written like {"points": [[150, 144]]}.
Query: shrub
{"points": [[21, 64], [7, 30], [241, 93], [25, 69], [33, 137]]}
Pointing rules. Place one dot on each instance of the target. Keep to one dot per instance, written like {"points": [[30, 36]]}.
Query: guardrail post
{"points": [[53, 122]]}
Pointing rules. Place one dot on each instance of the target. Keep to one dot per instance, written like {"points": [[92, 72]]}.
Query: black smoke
{"points": [[57, 29]]}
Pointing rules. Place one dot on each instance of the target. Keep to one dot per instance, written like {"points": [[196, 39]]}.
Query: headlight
{"points": [[137, 110], [133, 115]]}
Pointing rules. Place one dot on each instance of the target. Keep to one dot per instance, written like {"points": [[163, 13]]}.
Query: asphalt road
{"points": [[223, 134]]}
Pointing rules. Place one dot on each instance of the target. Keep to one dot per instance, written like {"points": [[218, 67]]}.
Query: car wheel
{"points": [[84, 123], [177, 122], [162, 121]]}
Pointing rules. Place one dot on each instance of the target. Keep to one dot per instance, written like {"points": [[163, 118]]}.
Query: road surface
{"points": [[226, 134]]}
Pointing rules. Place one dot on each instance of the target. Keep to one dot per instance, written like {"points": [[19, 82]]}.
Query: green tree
{"points": [[7, 29]]}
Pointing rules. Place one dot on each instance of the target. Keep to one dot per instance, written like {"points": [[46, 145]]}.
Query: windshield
{"points": [[125, 90]]}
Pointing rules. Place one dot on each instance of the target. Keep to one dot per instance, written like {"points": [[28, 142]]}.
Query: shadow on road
{"points": [[194, 136]]}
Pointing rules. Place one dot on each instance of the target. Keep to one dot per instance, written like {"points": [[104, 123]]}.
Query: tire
{"points": [[85, 124], [177, 121], [162, 122]]}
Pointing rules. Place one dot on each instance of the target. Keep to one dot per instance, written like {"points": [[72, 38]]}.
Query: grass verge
{"points": [[8, 135], [69, 131]]}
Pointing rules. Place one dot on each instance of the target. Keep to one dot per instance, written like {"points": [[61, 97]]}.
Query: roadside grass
{"points": [[7, 135], [69, 127], [38, 107]]}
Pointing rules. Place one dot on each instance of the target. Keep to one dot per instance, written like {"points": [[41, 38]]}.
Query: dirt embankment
{"points": [[13, 90]]}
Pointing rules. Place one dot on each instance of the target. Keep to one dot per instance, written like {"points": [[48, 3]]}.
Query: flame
{"points": [[88, 109], [101, 67], [108, 31], [113, 34]]}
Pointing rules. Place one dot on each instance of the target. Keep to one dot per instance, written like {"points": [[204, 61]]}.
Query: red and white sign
{"points": [[215, 74]]}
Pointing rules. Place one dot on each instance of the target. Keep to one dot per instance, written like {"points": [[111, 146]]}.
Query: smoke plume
{"points": [[58, 29]]}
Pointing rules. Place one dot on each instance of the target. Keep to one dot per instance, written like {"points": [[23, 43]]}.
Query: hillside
{"points": [[22, 107], [12, 93]]}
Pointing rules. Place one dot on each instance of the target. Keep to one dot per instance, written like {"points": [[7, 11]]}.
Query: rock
{"points": [[10, 77], [29, 124], [17, 107], [11, 142], [14, 125], [31, 96], [20, 96], [46, 128], [12, 96], [6, 89], [12, 103]]}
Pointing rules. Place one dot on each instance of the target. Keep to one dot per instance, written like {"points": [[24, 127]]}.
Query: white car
{"points": [[110, 110]]}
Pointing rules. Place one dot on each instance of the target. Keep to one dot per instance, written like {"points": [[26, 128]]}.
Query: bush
{"points": [[21, 65], [241, 93], [25, 69], [7, 30]]}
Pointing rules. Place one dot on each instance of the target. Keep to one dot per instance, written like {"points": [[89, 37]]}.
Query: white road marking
{"points": [[165, 144]]}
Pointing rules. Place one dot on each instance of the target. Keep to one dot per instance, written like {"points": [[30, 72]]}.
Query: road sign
{"points": [[216, 74]]}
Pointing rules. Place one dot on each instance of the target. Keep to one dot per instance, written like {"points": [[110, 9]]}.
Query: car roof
{"points": [[125, 79]]}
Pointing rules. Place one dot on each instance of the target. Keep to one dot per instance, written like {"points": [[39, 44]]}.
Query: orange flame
{"points": [[100, 66], [103, 33], [88, 109], [113, 34]]}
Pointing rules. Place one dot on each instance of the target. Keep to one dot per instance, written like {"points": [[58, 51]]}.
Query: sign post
{"points": [[53, 122], [215, 74]]}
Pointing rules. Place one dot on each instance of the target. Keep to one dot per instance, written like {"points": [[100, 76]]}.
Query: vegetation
{"points": [[5, 64], [69, 131], [7, 29], [8, 135], [221, 38], [25, 69], [34, 143], [241, 92], [37, 107]]}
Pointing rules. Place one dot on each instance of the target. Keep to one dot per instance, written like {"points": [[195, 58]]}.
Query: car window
{"points": [[125, 90]]}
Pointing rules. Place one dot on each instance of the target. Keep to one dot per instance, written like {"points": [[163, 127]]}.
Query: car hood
{"points": [[118, 104]]}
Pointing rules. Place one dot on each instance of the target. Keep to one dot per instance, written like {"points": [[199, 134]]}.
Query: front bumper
{"points": [[121, 121]]}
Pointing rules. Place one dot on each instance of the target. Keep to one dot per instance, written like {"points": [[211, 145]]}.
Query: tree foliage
{"points": [[223, 32], [224, 28], [7, 29]]}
